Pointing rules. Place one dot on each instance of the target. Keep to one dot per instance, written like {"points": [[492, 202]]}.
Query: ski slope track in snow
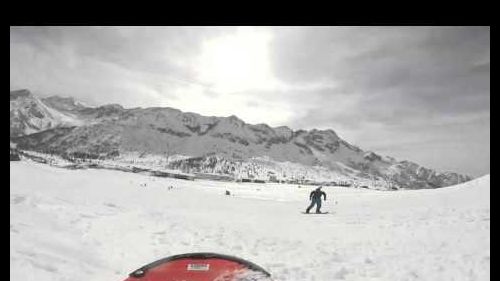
{"points": [[102, 224]]}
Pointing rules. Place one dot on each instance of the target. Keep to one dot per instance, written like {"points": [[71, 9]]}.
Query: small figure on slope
{"points": [[315, 198]]}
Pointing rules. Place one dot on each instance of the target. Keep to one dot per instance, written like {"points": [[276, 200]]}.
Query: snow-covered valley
{"points": [[101, 225]]}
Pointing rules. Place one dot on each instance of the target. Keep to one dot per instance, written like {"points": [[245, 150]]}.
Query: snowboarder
{"points": [[315, 198]]}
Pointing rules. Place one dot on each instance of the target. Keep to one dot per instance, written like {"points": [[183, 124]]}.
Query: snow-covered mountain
{"points": [[66, 127], [28, 115]]}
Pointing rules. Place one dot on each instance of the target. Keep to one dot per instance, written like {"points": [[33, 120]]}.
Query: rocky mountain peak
{"points": [[372, 156], [19, 94]]}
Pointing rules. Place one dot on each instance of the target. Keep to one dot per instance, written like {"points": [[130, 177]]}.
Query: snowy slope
{"points": [[102, 224]]}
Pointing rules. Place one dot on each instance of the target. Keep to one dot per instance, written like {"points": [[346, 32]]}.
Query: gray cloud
{"points": [[392, 67], [371, 61], [113, 61], [154, 49]]}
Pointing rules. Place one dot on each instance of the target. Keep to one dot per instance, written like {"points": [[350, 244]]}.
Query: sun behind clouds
{"points": [[237, 61]]}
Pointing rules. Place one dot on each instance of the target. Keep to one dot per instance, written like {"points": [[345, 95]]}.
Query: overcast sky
{"points": [[415, 93]]}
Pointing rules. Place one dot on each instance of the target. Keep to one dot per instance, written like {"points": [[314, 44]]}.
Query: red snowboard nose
{"points": [[200, 267]]}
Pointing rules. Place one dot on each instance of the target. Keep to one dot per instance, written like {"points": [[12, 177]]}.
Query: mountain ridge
{"points": [[110, 130]]}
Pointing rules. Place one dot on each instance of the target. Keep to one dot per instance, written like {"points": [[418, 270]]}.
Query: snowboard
{"points": [[200, 267]]}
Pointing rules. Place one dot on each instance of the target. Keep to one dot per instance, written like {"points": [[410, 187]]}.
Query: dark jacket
{"points": [[316, 194]]}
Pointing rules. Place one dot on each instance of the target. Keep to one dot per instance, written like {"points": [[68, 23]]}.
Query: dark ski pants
{"points": [[317, 202]]}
